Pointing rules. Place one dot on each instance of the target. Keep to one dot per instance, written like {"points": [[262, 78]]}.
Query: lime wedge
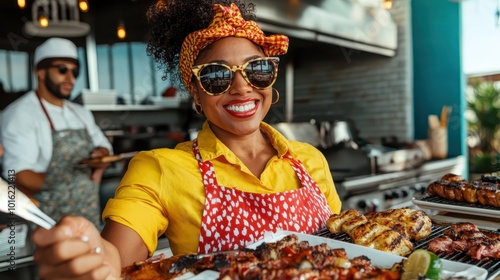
{"points": [[422, 264]]}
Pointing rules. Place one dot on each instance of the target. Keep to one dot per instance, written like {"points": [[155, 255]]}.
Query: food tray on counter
{"points": [[491, 266], [442, 204], [377, 258]]}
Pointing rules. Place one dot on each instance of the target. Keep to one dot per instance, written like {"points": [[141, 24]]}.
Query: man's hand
{"points": [[98, 167], [99, 152]]}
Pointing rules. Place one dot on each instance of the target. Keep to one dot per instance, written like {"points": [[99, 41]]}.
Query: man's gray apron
{"points": [[68, 189]]}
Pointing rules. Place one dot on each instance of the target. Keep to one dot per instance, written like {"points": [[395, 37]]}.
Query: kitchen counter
{"points": [[382, 191], [454, 164], [117, 107]]}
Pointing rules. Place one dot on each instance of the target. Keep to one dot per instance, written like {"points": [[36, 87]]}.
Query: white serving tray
{"points": [[378, 258]]}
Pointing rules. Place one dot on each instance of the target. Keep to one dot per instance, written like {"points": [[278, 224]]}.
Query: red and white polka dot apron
{"points": [[233, 219]]}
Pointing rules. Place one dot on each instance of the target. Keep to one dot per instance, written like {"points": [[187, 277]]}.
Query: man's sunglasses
{"points": [[63, 70], [216, 78]]}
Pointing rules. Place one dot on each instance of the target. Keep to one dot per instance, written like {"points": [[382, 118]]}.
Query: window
{"points": [[14, 71], [126, 66]]}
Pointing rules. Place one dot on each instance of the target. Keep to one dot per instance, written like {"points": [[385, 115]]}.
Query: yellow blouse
{"points": [[162, 190]]}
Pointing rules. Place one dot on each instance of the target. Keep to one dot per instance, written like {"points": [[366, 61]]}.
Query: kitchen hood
{"points": [[353, 24]]}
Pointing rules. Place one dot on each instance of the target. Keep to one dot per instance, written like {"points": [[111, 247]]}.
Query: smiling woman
{"points": [[208, 194]]}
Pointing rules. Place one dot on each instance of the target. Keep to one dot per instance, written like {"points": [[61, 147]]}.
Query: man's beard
{"points": [[55, 89]]}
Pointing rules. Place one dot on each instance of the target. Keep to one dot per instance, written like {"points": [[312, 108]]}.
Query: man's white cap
{"points": [[56, 48]]}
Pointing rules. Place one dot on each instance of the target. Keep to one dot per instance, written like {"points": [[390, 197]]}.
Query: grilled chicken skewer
{"points": [[485, 191]]}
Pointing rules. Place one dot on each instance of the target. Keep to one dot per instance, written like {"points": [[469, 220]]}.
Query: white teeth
{"points": [[240, 109]]}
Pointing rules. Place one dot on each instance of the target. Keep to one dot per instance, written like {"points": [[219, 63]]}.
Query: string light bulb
{"points": [[21, 3], [83, 5], [43, 21], [387, 4], [121, 33]]}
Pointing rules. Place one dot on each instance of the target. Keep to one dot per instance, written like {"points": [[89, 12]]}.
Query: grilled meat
{"points": [[292, 260], [441, 244], [336, 221], [457, 229], [452, 178], [416, 224], [466, 237], [377, 236], [390, 231], [349, 225], [485, 191], [488, 194]]}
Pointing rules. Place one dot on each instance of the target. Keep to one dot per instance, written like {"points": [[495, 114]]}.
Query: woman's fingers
{"points": [[42, 237], [62, 251], [73, 249], [86, 267], [68, 227]]}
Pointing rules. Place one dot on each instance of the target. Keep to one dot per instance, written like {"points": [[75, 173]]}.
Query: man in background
{"points": [[45, 136]]}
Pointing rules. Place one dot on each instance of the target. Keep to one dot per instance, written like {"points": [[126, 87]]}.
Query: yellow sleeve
{"points": [[137, 202]]}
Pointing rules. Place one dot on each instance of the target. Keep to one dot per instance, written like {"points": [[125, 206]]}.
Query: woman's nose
{"points": [[240, 84]]}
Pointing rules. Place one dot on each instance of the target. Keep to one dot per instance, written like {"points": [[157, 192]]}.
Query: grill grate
{"points": [[492, 266], [438, 199]]}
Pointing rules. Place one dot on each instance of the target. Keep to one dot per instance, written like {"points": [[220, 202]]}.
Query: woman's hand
{"points": [[74, 249]]}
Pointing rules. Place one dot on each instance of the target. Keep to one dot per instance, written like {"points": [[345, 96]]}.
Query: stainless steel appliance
{"points": [[370, 177], [379, 192]]}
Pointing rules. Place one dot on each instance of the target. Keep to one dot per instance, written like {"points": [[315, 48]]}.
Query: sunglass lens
{"points": [[261, 73], [215, 78], [63, 70]]}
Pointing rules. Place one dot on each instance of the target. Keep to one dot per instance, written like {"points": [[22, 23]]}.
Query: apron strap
{"points": [[46, 114], [50, 120]]}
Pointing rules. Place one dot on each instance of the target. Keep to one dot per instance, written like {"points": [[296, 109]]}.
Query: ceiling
{"points": [[103, 14], [104, 17]]}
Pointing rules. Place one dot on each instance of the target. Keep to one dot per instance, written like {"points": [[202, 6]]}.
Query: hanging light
{"points": [[56, 18], [83, 5], [121, 33], [387, 4], [43, 21], [21, 3]]}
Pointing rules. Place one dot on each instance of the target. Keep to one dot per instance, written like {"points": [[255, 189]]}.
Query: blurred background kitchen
{"points": [[366, 81]]}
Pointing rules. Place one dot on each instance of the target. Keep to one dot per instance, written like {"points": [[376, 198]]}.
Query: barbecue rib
{"points": [[466, 237], [389, 231], [485, 191]]}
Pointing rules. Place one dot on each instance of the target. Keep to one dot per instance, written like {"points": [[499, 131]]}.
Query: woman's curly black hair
{"points": [[172, 20]]}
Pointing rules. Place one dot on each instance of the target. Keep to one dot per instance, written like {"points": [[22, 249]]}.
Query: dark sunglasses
{"points": [[216, 78], [63, 69]]}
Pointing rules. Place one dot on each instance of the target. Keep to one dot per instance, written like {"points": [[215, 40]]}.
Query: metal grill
{"points": [[438, 199], [492, 266]]}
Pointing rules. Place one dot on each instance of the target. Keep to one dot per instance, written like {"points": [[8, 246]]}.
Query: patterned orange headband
{"points": [[227, 22]]}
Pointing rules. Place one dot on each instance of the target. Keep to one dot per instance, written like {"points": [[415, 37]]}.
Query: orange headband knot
{"points": [[227, 22]]}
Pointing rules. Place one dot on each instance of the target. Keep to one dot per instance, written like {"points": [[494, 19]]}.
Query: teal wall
{"points": [[437, 66]]}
